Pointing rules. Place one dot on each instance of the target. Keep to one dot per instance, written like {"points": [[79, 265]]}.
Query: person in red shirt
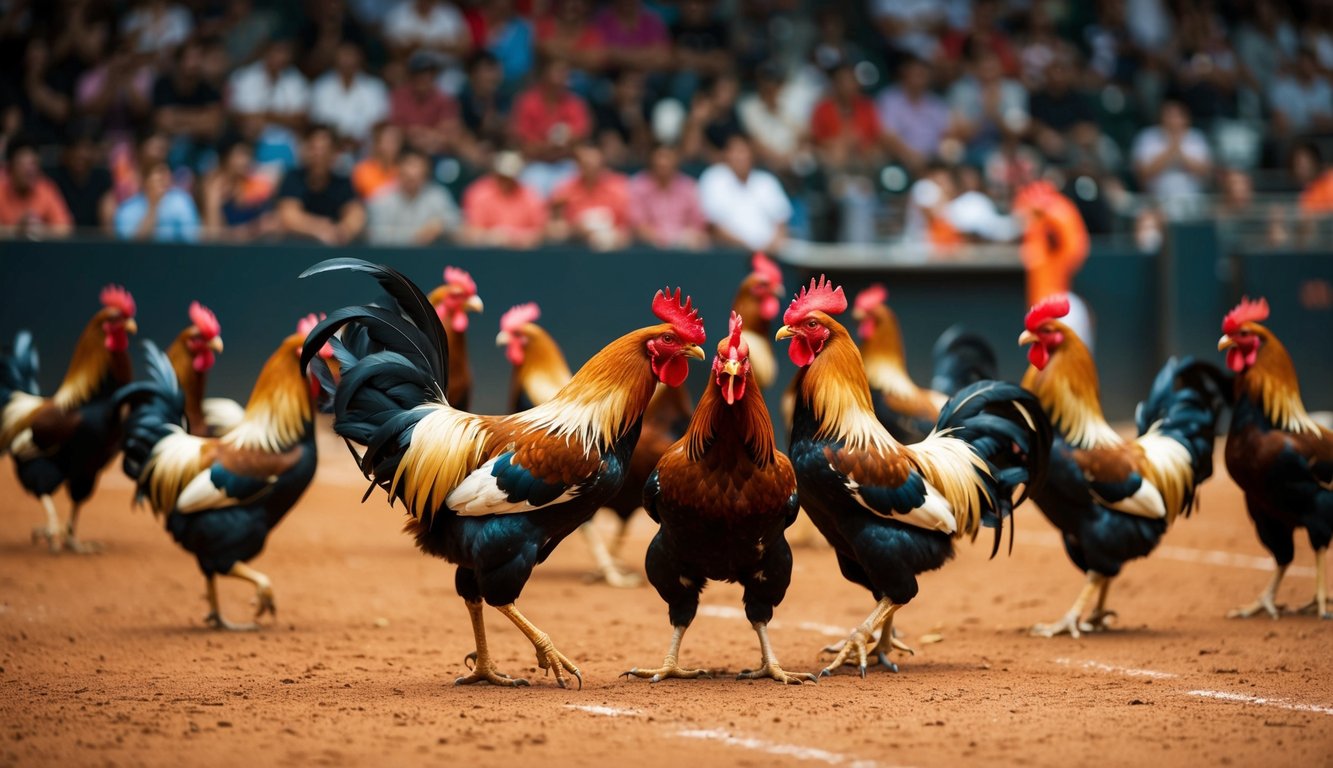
{"points": [[428, 117], [593, 206], [844, 126], [499, 211], [548, 119], [30, 203]]}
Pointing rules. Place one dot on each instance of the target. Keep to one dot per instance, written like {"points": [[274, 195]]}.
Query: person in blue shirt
{"points": [[159, 212]]}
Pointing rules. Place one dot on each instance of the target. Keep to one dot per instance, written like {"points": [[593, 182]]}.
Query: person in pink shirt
{"points": [[499, 211], [547, 120], [664, 204], [593, 206], [635, 37], [428, 117]]}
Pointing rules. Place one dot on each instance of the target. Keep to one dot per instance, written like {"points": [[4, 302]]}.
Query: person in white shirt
{"points": [[271, 88], [1171, 159], [432, 24], [347, 99], [744, 206], [158, 26], [766, 116]]}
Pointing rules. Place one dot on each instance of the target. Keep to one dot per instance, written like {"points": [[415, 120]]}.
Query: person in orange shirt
{"points": [[593, 206], [1055, 245], [30, 203], [379, 170], [844, 126], [1317, 197], [499, 211]]}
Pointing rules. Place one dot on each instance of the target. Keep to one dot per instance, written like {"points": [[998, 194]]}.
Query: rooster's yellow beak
{"points": [[473, 304], [785, 332], [1027, 337], [695, 351], [732, 367], [131, 326], [502, 339], [216, 344], [1225, 343]]}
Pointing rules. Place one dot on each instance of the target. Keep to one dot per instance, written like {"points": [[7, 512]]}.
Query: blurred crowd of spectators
{"points": [[677, 123]]}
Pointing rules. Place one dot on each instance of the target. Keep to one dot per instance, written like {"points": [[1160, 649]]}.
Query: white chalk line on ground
{"points": [[1239, 698], [729, 612], [595, 709], [1183, 555]]}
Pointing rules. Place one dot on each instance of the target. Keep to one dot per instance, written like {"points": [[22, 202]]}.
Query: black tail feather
{"points": [[962, 358], [18, 369], [1185, 402], [156, 408]]}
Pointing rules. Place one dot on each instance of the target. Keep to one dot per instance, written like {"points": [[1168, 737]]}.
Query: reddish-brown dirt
{"points": [[105, 660]]}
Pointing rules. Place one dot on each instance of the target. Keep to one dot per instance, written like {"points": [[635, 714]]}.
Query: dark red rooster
{"points": [[1277, 454], [68, 438], [192, 355], [723, 495], [453, 301]]}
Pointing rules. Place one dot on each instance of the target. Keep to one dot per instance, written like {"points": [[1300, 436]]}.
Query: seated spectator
{"points": [[986, 105], [315, 201], [85, 183], [984, 31], [430, 25], [1303, 100], [159, 212], [157, 26], [713, 119], [664, 204], [328, 24], [913, 114], [635, 37], [269, 100], [415, 210], [30, 204], [744, 206], [45, 93], [1061, 114], [1317, 194], [622, 129], [701, 43], [238, 196], [507, 36], [593, 206], [844, 127], [427, 116], [1171, 159], [118, 93], [567, 33], [766, 116], [500, 211], [188, 109], [485, 110], [547, 121], [927, 221], [348, 99], [911, 27], [379, 170]]}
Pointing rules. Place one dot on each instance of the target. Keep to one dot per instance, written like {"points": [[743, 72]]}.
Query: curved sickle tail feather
{"points": [[392, 360], [156, 409], [962, 358], [1185, 403], [1007, 428]]}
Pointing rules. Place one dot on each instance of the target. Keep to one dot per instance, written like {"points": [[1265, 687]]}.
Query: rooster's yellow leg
{"points": [[548, 658], [1319, 605], [51, 531], [888, 642], [1098, 620], [860, 638], [1266, 602], [768, 665], [484, 670], [670, 665], [72, 543], [263, 589], [607, 569], [1069, 623], [214, 618]]}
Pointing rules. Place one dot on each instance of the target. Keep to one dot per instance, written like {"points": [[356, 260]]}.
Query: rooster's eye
{"points": [[812, 323], [668, 339]]}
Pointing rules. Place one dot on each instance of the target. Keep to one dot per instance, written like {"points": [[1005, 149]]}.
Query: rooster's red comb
{"points": [[307, 324], [461, 278], [683, 317], [1245, 312], [1049, 308], [204, 319], [819, 295], [871, 297], [519, 316], [116, 297], [765, 269], [736, 346]]}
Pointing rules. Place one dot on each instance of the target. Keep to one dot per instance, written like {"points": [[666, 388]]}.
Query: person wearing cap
{"points": [[427, 116], [500, 211]]}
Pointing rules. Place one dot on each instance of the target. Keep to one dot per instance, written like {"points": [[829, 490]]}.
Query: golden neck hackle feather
{"points": [[279, 413], [1271, 382], [1069, 391]]}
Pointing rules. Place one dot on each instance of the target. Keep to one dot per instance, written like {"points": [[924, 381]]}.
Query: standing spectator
{"points": [[1302, 100], [664, 204], [159, 212], [622, 129], [427, 116], [635, 37], [508, 37], [592, 206], [485, 110], [85, 183], [269, 100], [701, 43], [844, 127], [745, 207], [188, 108], [238, 196], [500, 211], [314, 201], [348, 99], [157, 26], [987, 106], [914, 114], [379, 170], [1172, 160], [548, 120], [415, 211], [30, 204], [432, 25], [777, 134]]}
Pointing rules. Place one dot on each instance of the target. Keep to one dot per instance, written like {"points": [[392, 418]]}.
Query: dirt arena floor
{"points": [[105, 660]]}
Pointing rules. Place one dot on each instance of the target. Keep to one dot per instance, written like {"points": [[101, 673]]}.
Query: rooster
{"points": [[1279, 456], [759, 298], [892, 511], [724, 496], [221, 497], [192, 356], [68, 438], [493, 494], [906, 410], [453, 301], [1112, 498]]}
